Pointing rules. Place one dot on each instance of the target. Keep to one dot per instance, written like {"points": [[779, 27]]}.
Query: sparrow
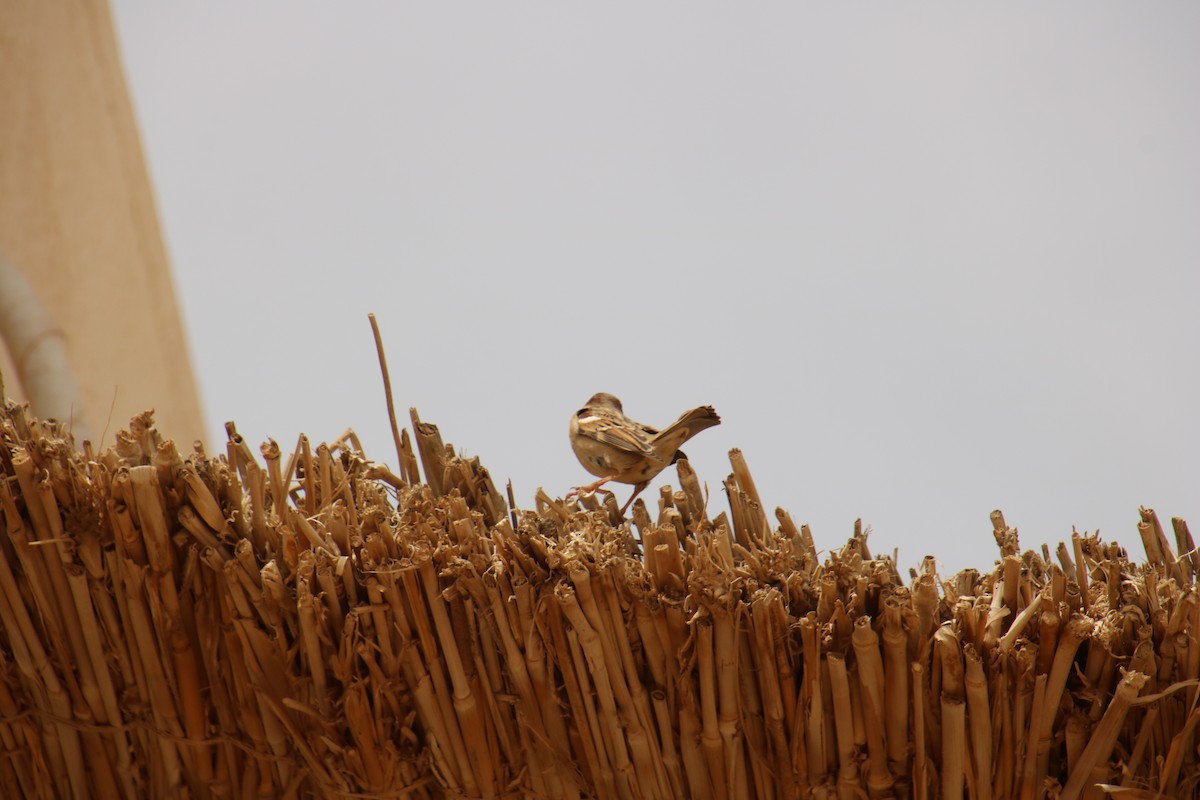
{"points": [[615, 448]]}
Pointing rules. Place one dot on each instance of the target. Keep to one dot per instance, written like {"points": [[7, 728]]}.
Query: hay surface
{"points": [[249, 626]]}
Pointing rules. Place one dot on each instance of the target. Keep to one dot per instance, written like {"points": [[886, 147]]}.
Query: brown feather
{"points": [[612, 446]]}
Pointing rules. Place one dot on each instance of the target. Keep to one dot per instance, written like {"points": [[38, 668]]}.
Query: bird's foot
{"points": [[591, 488]]}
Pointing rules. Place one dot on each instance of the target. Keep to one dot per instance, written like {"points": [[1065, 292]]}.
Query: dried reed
{"points": [[321, 626]]}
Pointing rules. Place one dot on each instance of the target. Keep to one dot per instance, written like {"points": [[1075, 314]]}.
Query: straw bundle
{"points": [[249, 626]]}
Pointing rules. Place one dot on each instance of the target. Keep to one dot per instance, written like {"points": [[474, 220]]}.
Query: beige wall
{"points": [[77, 216]]}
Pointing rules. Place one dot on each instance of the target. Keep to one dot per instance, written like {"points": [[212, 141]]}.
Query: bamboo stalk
{"points": [[700, 781], [149, 659], [980, 718], [812, 703], [919, 771], [432, 451], [1105, 734], [1186, 547], [447, 747], [1139, 746], [1030, 767], [591, 648], [28, 774], [62, 747], [954, 731], [754, 505], [465, 702], [230, 628], [1077, 631], [843, 719], [895, 695], [1180, 744], [763, 611], [710, 734], [254, 481], [519, 674]]}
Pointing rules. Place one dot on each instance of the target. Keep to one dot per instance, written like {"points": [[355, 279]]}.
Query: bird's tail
{"points": [[672, 437]]}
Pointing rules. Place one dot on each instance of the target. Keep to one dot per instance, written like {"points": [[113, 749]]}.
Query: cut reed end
{"points": [[315, 624]]}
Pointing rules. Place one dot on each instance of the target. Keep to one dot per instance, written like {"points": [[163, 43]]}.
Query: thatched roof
{"points": [[316, 625]]}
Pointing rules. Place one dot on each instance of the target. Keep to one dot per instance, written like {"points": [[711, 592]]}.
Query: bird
{"points": [[613, 447]]}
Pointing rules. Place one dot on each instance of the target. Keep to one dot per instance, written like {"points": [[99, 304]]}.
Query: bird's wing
{"points": [[616, 433]]}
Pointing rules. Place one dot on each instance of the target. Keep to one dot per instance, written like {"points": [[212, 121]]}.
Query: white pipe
{"points": [[36, 343]]}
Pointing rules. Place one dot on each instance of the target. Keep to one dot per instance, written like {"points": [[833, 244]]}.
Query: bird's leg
{"points": [[636, 491], [590, 488]]}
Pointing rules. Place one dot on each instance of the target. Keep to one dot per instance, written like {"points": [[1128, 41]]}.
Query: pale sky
{"points": [[926, 260]]}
